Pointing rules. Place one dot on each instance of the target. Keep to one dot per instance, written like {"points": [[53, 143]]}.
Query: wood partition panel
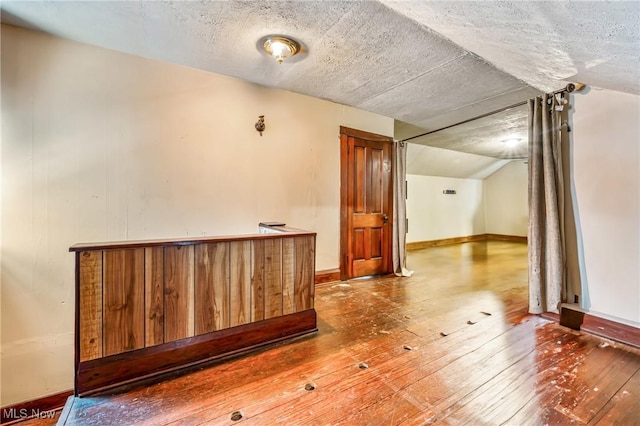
{"points": [[123, 300], [178, 292], [154, 296], [240, 283], [149, 298], [257, 280], [273, 278], [212, 292], [89, 265]]}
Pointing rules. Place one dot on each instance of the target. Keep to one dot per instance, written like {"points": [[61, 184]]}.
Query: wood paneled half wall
{"points": [[145, 308]]}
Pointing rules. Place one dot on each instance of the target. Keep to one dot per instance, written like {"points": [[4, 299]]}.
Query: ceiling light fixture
{"points": [[512, 142], [280, 47]]}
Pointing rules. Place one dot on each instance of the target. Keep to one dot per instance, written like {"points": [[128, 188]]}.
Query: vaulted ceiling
{"points": [[427, 64]]}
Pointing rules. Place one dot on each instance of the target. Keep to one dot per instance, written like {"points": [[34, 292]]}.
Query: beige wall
{"points": [[99, 145], [434, 215], [495, 205], [505, 200], [606, 156]]}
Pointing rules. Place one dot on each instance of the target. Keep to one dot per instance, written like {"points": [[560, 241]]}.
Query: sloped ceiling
{"points": [[502, 135], [359, 53], [432, 161], [427, 64], [544, 43]]}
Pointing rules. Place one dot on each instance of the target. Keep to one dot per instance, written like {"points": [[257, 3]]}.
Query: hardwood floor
{"points": [[453, 344]]}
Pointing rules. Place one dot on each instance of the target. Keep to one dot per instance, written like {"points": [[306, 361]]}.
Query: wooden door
{"points": [[366, 203]]}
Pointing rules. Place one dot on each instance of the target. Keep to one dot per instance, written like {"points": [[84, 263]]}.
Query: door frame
{"points": [[346, 210]]}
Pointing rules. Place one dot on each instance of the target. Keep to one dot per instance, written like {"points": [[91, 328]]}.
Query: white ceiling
{"points": [[432, 161], [488, 136], [428, 64], [544, 43]]}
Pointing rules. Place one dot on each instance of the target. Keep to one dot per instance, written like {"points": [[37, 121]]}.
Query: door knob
{"points": [[385, 218]]}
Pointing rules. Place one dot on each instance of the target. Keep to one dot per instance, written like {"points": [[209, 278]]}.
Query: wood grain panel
{"points": [[178, 292], [90, 328], [204, 296], [154, 296], [360, 182], [367, 243], [257, 280], [376, 240], [288, 276], [367, 267], [124, 317], [240, 283], [374, 187], [212, 287], [221, 282], [273, 278], [304, 273], [358, 244], [361, 220]]}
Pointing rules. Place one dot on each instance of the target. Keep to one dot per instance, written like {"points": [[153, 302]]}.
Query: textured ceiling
{"points": [[429, 64], [361, 54], [544, 43], [486, 136], [432, 161]]}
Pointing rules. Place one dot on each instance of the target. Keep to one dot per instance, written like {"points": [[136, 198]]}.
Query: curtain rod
{"points": [[570, 88]]}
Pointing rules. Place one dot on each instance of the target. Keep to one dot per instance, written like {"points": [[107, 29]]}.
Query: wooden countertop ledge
{"points": [[285, 233]]}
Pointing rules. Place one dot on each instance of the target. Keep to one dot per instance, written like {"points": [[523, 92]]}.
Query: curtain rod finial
{"points": [[574, 87]]}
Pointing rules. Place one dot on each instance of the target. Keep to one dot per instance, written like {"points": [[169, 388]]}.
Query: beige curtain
{"points": [[400, 210], [553, 260]]}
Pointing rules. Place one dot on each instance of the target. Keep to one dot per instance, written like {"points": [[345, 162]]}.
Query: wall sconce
{"points": [[260, 126], [280, 47]]}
